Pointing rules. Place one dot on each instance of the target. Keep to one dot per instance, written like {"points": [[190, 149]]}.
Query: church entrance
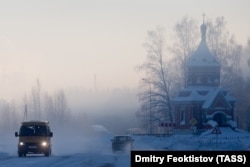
{"points": [[220, 118]]}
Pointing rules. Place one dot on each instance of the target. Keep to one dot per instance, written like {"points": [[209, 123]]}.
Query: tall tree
{"points": [[247, 56], [225, 48], [49, 107], [243, 91], [36, 100], [56, 107], [185, 43], [155, 95], [8, 116], [61, 107], [4, 115]]}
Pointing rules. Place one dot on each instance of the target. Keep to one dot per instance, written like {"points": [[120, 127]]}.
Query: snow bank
{"points": [[232, 124], [211, 124], [3, 154], [101, 130]]}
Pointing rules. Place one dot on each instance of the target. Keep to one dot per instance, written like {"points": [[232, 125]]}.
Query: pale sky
{"points": [[66, 43]]}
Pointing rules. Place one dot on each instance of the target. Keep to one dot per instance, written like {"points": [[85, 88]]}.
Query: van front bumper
{"points": [[33, 148]]}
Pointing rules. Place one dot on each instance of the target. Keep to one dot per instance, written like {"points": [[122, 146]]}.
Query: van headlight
{"points": [[21, 143], [44, 144]]}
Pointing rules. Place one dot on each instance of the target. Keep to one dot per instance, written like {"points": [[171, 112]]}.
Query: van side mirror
{"points": [[16, 134], [51, 134]]}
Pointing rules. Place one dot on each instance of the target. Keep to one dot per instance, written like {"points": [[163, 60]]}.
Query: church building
{"points": [[203, 102]]}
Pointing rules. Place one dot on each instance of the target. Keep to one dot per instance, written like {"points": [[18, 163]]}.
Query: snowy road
{"points": [[73, 150], [96, 151], [76, 160]]}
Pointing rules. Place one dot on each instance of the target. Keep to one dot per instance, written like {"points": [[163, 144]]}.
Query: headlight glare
{"points": [[44, 143], [21, 143]]}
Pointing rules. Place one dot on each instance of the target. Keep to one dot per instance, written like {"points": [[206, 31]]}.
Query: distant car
{"points": [[122, 143]]}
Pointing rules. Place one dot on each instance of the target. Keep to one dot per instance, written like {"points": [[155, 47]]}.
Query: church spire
{"points": [[203, 30], [202, 67]]}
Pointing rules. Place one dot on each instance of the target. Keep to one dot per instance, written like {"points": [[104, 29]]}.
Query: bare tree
{"points": [[8, 116], [36, 100], [247, 53], [155, 95], [14, 121], [248, 60], [242, 91], [61, 107], [56, 107], [4, 115], [186, 37], [225, 48], [49, 107]]}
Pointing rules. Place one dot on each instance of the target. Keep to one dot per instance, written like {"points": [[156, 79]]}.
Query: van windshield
{"points": [[33, 130]]}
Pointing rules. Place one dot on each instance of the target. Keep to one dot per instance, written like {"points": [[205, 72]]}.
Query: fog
{"points": [[69, 44], [245, 61], [115, 109], [88, 50], [93, 116]]}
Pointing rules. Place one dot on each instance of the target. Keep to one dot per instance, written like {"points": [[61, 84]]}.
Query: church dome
{"points": [[202, 56]]}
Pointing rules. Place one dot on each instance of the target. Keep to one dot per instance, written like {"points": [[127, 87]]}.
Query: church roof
{"points": [[205, 95], [202, 56], [209, 101]]}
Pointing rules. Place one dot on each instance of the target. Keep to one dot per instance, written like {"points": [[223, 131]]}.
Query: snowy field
{"points": [[95, 150]]}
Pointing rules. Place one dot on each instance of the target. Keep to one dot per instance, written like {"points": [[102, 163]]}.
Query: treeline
{"points": [[39, 105], [73, 109]]}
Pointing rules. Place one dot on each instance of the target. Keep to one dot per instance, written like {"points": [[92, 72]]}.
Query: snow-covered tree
{"points": [[242, 91], [185, 43], [156, 86], [224, 47]]}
